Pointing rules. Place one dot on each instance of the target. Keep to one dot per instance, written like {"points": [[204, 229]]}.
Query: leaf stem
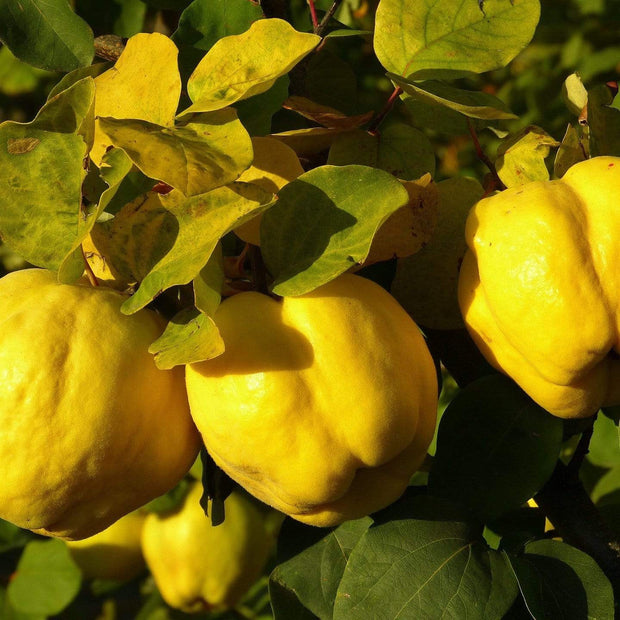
{"points": [[582, 449], [482, 155], [389, 104]]}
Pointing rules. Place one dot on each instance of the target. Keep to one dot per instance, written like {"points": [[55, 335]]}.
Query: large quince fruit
{"points": [[322, 405], [115, 553], [198, 566], [90, 428], [539, 287]]}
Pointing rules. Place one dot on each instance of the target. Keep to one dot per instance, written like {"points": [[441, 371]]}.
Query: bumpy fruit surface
{"points": [[115, 553], [91, 429], [540, 288], [322, 405], [198, 566]]}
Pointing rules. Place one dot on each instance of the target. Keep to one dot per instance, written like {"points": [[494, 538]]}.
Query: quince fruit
{"points": [[197, 566], [115, 553], [539, 288], [322, 405], [91, 428]]}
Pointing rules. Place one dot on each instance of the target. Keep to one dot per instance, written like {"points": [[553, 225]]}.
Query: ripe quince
{"points": [[539, 288], [91, 429], [115, 553], [197, 566], [322, 405]]}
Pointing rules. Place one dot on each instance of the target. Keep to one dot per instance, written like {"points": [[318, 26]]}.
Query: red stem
{"points": [[315, 19]]}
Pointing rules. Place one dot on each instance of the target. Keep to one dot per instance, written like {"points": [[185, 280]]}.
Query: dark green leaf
{"points": [[46, 579], [421, 559], [495, 447], [604, 448], [604, 122], [559, 581], [46, 34], [312, 563]]}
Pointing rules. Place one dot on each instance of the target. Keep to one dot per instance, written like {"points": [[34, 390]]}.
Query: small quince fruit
{"points": [[198, 566]]}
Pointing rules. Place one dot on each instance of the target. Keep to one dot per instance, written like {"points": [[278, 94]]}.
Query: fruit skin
{"points": [[115, 553], [322, 405], [91, 429], [539, 286], [199, 567]]}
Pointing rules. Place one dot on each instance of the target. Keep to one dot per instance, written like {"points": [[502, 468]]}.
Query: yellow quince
{"points": [[322, 405], [197, 566], [115, 553], [539, 287], [91, 429]]}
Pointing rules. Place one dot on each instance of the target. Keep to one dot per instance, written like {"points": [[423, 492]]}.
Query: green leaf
{"points": [[184, 234], [323, 224], [570, 152], [607, 489], [604, 447], [46, 579], [441, 34], [495, 448], [77, 75], [422, 559], [399, 149], [209, 282], [313, 572], [604, 122], [190, 336], [12, 537], [17, 77], [469, 103], [205, 152], [204, 22], [240, 66], [559, 581], [521, 157], [256, 112], [42, 177], [46, 34], [8, 612], [425, 284]]}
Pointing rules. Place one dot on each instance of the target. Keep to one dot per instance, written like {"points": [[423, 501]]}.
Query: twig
{"points": [[482, 155], [109, 47], [389, 104], [313, 16], [325, 21], [582, 449]]}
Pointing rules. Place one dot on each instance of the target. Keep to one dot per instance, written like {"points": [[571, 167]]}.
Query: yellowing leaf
{"points": [[174, 236], [244, 65], [207, 151], [189, 337], [144, 84], [409, 229], [521, 157], [274, 165]]}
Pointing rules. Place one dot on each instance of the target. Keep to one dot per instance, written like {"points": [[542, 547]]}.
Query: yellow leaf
{"points": [[208, 151], [409, 228], [275, 164], [311, 141], [144, 84], [244, 65]]}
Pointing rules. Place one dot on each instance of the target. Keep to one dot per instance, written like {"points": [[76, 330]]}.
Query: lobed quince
{"points": [[322, 405], [197, 566], [539, 287], [91, 429]]}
